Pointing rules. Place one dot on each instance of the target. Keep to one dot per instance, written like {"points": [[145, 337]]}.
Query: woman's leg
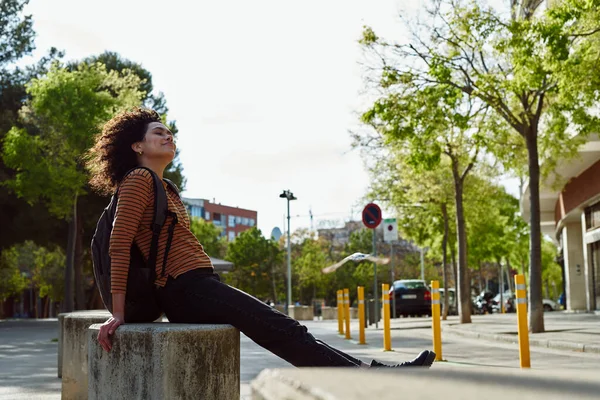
{"points": [[196, 297]]}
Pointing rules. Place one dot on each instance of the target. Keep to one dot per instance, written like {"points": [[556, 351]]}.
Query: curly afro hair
{"points": [[111, 156]]}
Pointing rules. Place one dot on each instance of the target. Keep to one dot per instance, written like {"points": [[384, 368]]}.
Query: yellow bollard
{"points": [[521, 301], [347, 311], [435, 323], [361, 315], [385, 301], [340, 311]]}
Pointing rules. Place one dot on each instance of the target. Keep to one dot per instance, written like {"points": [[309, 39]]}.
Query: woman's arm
{"points": [[109, 327], [134, 196]]}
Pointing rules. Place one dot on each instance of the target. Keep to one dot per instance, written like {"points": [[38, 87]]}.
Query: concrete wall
{"points": [[575, 267]]}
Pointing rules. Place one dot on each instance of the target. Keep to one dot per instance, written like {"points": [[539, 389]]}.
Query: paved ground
{"points": [[28, 353]]}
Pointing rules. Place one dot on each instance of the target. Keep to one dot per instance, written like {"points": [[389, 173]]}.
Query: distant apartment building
{"points": [[232, 220]]}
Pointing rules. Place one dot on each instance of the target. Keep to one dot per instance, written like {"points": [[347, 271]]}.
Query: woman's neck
{"points": [[158, 168]]}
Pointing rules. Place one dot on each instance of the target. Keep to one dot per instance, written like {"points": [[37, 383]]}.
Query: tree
{"points": [[257, 263], [209, 235], [12, 282], [16, 31], [537, 72], [307, 267], [65, 110], [421, 198], [20, 221]]}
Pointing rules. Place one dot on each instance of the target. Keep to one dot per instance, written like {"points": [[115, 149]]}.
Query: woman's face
{"points": [[158, 143]]}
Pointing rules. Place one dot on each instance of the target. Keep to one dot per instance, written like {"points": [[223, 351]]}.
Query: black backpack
{"points": [[141, 303]]}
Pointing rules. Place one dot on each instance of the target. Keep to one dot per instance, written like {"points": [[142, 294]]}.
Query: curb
{"points": [[514, 339]]}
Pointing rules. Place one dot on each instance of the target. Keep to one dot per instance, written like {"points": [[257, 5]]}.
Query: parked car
{"points": [[413, 297], [550, 305], [509, 303], [452, 305]]}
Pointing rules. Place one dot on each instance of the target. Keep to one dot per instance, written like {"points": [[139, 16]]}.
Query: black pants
{"points": [[199, 297]]}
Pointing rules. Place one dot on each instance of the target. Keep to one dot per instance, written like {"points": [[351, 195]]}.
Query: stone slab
{"points": [[165, 361], [420, 384]]}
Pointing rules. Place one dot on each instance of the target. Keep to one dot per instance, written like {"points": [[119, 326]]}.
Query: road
{"points": [[28, 355]]}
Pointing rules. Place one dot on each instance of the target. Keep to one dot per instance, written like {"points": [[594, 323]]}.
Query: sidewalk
{"points": [[564, 331]]}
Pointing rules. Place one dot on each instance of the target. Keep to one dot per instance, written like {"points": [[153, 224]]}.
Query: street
{"points": [[28, 354]]}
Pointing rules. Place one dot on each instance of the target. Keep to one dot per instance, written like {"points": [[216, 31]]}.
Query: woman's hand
{"points": [[107, 330]]}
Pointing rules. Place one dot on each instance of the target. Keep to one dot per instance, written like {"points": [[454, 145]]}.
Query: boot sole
{"points": [[429, 360]]}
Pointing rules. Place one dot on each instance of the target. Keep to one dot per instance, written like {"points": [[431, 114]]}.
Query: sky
{"points": [[264, 92]]}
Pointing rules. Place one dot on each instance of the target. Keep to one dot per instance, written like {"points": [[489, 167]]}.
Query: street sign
{"points": [[390, 230], [371, 216]]}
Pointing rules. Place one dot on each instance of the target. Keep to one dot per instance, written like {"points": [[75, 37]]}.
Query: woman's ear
{"points": [[136, 147]]}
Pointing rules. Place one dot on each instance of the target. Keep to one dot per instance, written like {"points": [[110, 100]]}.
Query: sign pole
{"points": [[392, 278], [371, 217], [375, 291]]}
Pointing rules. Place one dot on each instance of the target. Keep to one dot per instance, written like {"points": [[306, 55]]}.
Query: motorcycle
{"points": [[485, 303]]}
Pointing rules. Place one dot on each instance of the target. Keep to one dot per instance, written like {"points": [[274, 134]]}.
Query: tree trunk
{"points": [[68, 301], [445, 261], [464, 287], [536, 310], [481, 276], [78, 267], [454, 272]]}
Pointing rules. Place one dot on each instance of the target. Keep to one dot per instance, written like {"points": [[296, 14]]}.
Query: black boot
{"points": [[424, 359]]}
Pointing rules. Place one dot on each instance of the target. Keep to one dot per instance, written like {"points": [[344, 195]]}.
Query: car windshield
{"points": [[413, 285]]}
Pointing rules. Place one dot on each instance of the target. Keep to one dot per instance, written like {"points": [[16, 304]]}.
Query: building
{"points": [[232, 220], [570, 215]]}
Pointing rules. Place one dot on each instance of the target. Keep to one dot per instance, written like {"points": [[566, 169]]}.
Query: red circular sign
{"points": [[371, 215]]}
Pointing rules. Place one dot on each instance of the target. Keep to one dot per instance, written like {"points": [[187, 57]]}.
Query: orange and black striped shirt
{"points": [[134, 214]]}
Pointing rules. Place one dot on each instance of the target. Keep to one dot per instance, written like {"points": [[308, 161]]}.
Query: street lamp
{"points": [[286, 194]]}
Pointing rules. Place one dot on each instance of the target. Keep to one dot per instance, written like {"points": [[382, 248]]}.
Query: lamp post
{"points": [[286, 194]]}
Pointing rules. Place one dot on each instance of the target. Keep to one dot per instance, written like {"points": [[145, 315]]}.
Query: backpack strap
{"points": [[161, 212], [160, 216], [172, 185]]}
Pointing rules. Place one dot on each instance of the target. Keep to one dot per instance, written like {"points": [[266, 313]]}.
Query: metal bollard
{"points": [[340, 311], [522, 321], [385, 300], [347, 312], [435, 316], [361, 315]]}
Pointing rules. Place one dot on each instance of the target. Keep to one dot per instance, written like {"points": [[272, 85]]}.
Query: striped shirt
{"points": [[134, 215]]}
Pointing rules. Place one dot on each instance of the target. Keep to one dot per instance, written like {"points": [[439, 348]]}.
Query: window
{"points": [[231, 236], [207, 216], [238, 220], [231, 221], [251, 223]]}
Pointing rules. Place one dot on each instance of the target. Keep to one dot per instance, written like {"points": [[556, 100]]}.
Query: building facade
{"points": [[570, 215], [232, 220]]}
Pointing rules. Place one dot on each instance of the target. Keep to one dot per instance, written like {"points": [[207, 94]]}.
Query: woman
{"points": [[189, 291]]}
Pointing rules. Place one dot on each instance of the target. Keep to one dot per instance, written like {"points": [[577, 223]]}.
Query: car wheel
{"points": [[547, 307]]}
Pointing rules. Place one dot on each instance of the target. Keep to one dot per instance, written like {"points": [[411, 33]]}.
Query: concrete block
{"points": [[562, 345], [591, 348], [329, 313], [302, 313], [165, 361], [73, 347], [433, 384]]}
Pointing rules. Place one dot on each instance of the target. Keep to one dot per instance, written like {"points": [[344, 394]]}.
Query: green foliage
{"points": [[66, 108], [311, 258], [16, 31], [209, 235], [12, 282], [49, 273], [257, 262]]}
